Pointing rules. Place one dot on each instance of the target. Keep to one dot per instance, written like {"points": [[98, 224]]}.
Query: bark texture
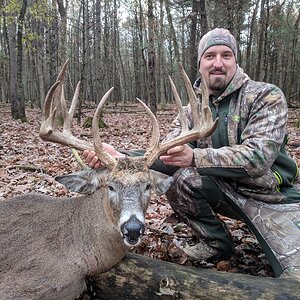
{"points": [[139, 277]]}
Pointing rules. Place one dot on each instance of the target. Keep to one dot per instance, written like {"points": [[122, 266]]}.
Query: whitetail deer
{"points": [[48, 245]]}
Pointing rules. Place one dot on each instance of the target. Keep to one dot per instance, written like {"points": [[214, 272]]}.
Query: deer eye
{"points": [[148, 187], [110, 188]]}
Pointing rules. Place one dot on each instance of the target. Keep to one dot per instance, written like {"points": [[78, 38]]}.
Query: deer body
{"points": [[48, 245], [51, 244]]}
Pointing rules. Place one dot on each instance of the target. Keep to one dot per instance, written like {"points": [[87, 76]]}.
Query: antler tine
{"points": [[50, 132], [191, 95], [205, 110], [182, 118], [68, 116], [60, 95], [49, 105], [49, 111], [48, 129], [155, 136], [62, 72], [103, 156], [204, 125], [205, 118]]}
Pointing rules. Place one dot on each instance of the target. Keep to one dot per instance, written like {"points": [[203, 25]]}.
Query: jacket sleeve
{"points": [[261, 137]]}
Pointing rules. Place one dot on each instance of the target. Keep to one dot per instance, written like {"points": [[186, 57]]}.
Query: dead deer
{"points": [[48, 244]]}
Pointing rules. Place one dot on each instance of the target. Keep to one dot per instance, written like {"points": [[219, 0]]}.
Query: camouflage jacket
{"points": [[256, 129]]}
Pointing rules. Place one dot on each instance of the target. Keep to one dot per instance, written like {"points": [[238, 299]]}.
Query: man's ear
{"points": [[84, 182], [161, 182]]}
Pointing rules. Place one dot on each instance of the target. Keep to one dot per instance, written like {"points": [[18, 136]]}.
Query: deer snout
{"points": [[132, 231]]}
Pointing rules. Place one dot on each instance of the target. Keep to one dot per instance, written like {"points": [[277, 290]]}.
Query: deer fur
{"points": [[48, 244]]}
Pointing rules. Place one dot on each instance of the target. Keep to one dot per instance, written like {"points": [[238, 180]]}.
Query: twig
{"points": [[78, 159], [23, 167]]}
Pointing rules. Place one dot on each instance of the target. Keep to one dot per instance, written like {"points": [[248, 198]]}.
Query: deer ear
{"points": [[84, 182], [161, 182]]}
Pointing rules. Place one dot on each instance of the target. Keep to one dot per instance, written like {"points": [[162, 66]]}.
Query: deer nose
{"points": [[132, 230]]}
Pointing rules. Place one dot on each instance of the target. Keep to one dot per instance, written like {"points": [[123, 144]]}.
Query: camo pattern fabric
{"points": [[194, 199], [277, 225], [256, 129]]}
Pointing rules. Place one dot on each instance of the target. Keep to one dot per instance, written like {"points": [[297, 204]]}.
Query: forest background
{"points": [[134, 45]]}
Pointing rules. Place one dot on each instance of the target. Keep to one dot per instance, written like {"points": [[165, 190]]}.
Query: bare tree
{"points": [[260, 42], [62, 9], [152, 58], [15, 33], [252, 18], [193, 39]]}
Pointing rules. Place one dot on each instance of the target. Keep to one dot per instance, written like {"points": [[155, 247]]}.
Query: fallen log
{"points": [[140, 277]]}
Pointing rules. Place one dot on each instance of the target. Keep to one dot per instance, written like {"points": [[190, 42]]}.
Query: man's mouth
{"points": [[217, 73]]}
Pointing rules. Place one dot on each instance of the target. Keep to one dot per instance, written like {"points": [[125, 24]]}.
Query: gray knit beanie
{"points": [[217, 36]]}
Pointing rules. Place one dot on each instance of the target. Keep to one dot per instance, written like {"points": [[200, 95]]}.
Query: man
{"points": [[241, 166]]}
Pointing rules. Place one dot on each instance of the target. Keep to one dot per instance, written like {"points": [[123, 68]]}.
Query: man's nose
{"points": [[218, 62]]}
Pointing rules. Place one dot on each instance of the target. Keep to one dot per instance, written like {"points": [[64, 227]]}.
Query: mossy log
{"points": [[140, 277]]}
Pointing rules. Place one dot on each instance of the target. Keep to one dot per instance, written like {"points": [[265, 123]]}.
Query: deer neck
{"points": [[101, 244]]}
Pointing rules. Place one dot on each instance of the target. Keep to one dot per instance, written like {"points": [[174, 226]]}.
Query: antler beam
{"points": [[204, 125], [50, 132]]}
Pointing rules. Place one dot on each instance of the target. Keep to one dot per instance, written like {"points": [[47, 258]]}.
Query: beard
{"points": [[217, 84]]}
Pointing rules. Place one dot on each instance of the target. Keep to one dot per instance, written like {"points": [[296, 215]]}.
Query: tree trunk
{"points": [[265, 49], [292, 86], [84, 60], [11, 30], [20, 92], [172, 32], [62, 31], [4, 65], [260, 42], [249, 61], [16, 53], [53, 44], [177, 57], [152, 59], [192, 43], [139, 277]]}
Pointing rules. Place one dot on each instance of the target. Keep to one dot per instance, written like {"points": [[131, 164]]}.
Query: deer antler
{"points": [[50, 132], [204, 125]]}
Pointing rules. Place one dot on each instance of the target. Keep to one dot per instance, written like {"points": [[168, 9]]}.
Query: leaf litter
{"points": [[28, 164]]}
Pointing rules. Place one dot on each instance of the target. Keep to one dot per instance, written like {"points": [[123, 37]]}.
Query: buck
{"points": [[48, 244]]}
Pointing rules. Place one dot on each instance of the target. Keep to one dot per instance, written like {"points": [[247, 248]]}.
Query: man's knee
{"points": [[182, 195]]}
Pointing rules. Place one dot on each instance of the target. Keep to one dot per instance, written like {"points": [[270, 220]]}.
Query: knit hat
{"points": [[217, 36]]}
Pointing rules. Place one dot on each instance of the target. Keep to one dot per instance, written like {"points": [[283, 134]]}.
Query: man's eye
{"points": [[227, 55]]}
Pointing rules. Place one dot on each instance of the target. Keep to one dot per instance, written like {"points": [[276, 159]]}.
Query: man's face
{"points": [[217, 66]]}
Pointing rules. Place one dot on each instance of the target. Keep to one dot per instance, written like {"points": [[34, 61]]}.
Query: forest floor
{"points": [[28, 164]]}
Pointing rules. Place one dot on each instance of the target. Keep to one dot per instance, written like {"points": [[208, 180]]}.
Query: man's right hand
{"points": [[92, 160]]}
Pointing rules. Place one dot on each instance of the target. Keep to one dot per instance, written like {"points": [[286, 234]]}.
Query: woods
{"points": [[135, 46]]}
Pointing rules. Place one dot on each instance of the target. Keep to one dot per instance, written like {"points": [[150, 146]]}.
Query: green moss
{"points": [[88, 123]]}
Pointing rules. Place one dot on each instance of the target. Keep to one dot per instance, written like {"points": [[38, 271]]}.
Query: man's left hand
{"points": [[180, 156]]}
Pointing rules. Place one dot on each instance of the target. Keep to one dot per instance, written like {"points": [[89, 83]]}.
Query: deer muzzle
{"points": [[132, 231]]}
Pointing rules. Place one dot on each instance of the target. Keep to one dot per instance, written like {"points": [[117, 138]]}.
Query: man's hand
{"points": [[92, 160], [180, 156]]}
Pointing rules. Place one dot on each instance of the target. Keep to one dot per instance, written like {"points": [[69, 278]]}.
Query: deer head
{"points": [[124, 184]]}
